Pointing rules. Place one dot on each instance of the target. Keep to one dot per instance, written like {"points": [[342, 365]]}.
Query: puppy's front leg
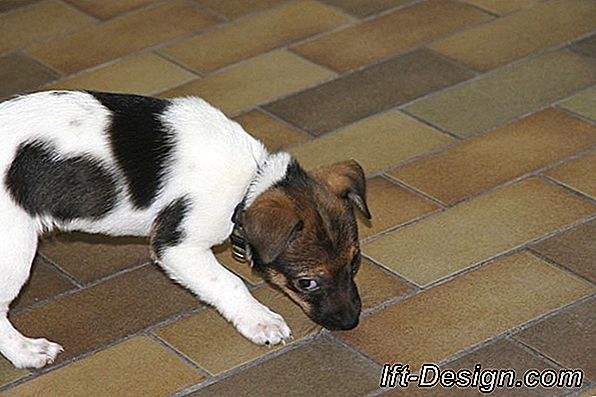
{"points": [[199, 270]]}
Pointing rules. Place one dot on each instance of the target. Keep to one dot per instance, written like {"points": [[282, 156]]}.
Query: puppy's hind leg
{"points": [[18, 243]]}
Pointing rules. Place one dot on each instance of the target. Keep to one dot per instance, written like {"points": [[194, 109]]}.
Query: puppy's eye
{"points": [[307, 284], [356, 263]]}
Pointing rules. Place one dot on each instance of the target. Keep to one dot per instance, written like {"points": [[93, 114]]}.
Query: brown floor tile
{"points": [[142, 74], [113, 39], [568, 338], [90, 257], [483, 162], [43, 283], [369, 91], [583, 104], [390, 34], [586, 46], [362, 9], [236, 8], [501, 6], [258, 80], [101, 314], [255, 34], [478, 230], [137, 367], [9, 5], [468, 310], [391, 206], [514, 36], [575, 249], [8, 373], [501, 96], [223, 253], [500, 355], [20, 74], [215, 345], [578, 174], [273, 133], [391, 136], [108, 9], [39, 21], [591, 392], [376, 286], [321, 368]]}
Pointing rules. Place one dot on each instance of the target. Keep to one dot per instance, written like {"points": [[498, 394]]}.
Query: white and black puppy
{"points": [[181, 172]]}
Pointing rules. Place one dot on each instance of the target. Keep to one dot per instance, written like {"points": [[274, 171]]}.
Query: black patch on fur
{"points": [[66, 189], [167, 230], [140, 142], [60, 93]]}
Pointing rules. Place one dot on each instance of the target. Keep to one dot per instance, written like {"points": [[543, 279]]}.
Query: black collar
{"points": [[240, 246]]}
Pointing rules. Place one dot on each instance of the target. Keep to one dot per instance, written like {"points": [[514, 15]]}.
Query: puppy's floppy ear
{"points": [[270, 223], [347, 181]]}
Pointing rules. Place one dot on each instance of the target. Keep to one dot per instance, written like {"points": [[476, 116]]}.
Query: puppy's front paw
{"points": [[262, 326], [32, 353]]}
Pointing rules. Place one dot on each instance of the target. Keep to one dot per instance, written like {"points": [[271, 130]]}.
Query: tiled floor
{"points": [[475, 121]]}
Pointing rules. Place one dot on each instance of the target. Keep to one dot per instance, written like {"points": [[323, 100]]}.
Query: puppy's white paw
{"points": [[262, 326], [32, 353]]}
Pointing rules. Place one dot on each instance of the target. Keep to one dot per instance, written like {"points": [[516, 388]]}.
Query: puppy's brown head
{"points": [[304, 239]]}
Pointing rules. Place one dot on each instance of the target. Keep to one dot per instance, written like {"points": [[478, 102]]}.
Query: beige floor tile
{"points": [[501, 96], [258, 80], [483, 162], [141, 74], [236, 8], [137, 367], [501, 6], [20, 74], [376, 143], [8, 373], [361, 8], [321, 368], [390, 206], [121, 36], [578, 174], [465, 311], [514, 36], [583, 104], [375, 286], [273, 133], [255, 34], [390, 34], [39, 21], [215, 345], [477, 230], [568, 338], [110, 8]]}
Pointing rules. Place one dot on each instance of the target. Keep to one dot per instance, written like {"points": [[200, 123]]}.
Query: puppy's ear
{"points": [[270, 223], [347, 181]]}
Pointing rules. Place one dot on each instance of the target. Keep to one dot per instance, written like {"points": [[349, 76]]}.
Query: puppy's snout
{"points": [[346, 318]]}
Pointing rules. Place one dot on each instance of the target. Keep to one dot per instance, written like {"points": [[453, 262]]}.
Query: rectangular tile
{"points": [[390, 206], [376, 286], [568, 338], [258, 80], [236, 8], [39, 21], [501, 6], [157, 75], [508, 93], [586, 46], [123, 305], [369, 91], [574, 249], [215, 345], [483, 162], [514, 36], [577, 174], [90, 257], [477, 230], [465, 311], [583, 104], [390, 34], [273, 133], [118, 37], [20, 74], [137, 367], [321, 368], [362, 9], [255, 34], [391, 136], [109, 9]]}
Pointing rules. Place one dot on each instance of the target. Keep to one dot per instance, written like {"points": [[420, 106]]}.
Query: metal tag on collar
{"points": [[240, 248]]}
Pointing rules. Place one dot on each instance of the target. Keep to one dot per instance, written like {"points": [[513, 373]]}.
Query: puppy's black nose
{"points": [[342, 321]]}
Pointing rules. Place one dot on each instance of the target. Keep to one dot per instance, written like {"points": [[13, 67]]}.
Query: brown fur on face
{"points": [[302, 230]]}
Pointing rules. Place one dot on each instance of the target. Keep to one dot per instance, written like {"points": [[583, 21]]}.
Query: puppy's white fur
{"points": [[214, 164]]}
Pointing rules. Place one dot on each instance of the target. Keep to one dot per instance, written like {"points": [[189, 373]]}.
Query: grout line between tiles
{"points": [[569, 189], [536, 353], [179, 64], [440, 129], [419, 193], [575, 114], [284, 122], [179, 354], [560, 267], [60, 271], [479, 8]]}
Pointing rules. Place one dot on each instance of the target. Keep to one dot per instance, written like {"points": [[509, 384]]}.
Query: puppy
{"points": [[182, 173]]}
